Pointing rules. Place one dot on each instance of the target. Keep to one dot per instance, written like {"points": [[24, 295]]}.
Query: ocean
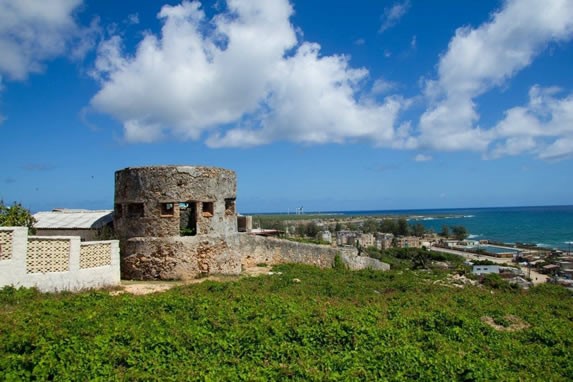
{"points": [[548, 226]]}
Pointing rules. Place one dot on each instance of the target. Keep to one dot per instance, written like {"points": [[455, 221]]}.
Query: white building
{"points": [[485, 269]]}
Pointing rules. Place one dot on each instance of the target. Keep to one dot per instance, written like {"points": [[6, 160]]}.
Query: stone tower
{"points": [[173, 221]]}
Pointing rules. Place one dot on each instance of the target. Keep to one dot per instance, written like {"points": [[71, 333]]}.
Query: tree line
{"points": [[395, 226], [15, 216]]}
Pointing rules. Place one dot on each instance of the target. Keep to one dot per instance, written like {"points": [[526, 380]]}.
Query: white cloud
{"points": [[32, 32], [133, 19], [245, 80], [562, 148], [422, 158], [393, 14], [312, 101], [246, 77], [485, 57], [543, 127], [382, 86]]}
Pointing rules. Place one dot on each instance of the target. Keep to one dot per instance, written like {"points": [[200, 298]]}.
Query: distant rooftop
{"points": [[61, 218]]}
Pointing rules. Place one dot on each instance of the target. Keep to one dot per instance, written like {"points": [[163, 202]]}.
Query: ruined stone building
{"points": [[167, 215], [180, 222], [167, 201]]}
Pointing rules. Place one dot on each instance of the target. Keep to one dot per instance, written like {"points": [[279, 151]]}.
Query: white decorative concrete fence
{"points": [[56, 263]]}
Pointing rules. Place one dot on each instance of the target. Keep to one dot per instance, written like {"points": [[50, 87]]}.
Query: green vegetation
{"points": [[306, 240], [308, 225], [398, 227], [413, 258], [484, 262], [16, 216], [445, 232], [304, 324], [460, 232], [495, 281]]}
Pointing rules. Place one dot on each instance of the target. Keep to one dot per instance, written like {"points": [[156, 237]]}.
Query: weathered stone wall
{"points": [[143, 194], [154, 205], [257, 249], [185, 257], [190, 257]]}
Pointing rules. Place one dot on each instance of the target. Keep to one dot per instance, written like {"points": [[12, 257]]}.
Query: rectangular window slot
{"points": [[135, 210], [118, 211], [230, 206], [167, 209], [188, 218], [208, 209]]}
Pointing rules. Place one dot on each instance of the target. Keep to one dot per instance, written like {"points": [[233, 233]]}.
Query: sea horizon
{"points": [[379, 211], [546, 226]]}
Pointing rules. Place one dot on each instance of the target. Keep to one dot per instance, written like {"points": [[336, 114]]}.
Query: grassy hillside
{"points": [[332, 325]]}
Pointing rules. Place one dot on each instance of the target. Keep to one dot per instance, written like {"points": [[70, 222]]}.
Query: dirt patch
{"points": [[509, 323], [147, 287]]}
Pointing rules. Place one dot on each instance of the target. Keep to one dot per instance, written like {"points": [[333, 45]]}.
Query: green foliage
{"points": [[418, 229], [484, 262], [445, 232], [412, 257], [338, 264], [311, 229], [187, 231], [389, 226], [403, 227], [370, 225], [398, 227], [16, 216], [332, 325], [460, 232], [307, 240], [495, 281]]}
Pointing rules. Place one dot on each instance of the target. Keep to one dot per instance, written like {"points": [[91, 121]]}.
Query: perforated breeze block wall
{"points": [[56, 263], [47, 255], [5, 245], [93, 255]]}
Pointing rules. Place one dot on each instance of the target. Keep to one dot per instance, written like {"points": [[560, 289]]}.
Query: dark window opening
{"points": [[188, 219], [118, 211], [135, 210], [230, 206], [208, 209], [167, 209]]}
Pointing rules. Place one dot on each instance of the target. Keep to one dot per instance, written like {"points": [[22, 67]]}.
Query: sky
{"points": [[362, 105]]}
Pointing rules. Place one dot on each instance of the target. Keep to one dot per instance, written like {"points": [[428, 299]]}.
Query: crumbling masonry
{"points": [[180, 222]]}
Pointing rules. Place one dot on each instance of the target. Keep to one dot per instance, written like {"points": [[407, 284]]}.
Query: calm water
{"points": [[550, 226]]}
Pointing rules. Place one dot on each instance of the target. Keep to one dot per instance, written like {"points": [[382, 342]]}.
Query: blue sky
{"points": [[339, 106]]}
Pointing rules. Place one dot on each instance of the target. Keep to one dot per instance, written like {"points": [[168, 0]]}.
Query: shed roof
{"points": [[69, 219]]}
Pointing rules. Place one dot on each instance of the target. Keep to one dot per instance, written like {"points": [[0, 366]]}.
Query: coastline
{"points": [[545, 227]]}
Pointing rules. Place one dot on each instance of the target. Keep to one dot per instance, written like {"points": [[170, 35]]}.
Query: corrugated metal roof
{"points": [[64, 218]]}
